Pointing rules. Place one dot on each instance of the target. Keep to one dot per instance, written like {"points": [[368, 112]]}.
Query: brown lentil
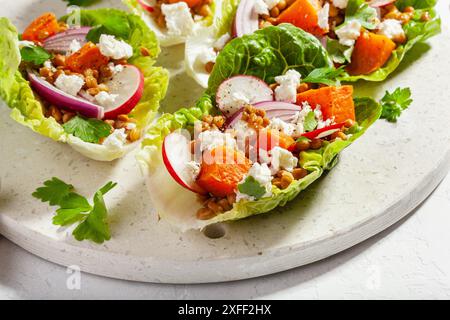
{"points": [[55, 113], [209, 66], [205, 214], [303, 145], [145, 52], [134, 135], [59, 60], [299, 173], [316, 144]]}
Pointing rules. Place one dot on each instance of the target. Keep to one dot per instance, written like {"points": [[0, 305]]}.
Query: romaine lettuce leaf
{"points": [[261, 55], [27, 109], [416, 31]]}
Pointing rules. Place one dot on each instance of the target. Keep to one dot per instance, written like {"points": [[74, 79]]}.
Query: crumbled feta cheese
{"points": [[323, 16], [75, 45], [319, 117], [117, 49], [264, 156], [106, 99], [282, 126], [261, 173], [25, 43], [48, 64], [192, 169], [282, 159], [341, 4], [391, 28], [261, 7], [222, 41], [178, 18], [116, 140], [215, 138], [287, 89], [115, 69], [237, 101], [69, 84], [299, 119], [349, 33], [207, 55]]}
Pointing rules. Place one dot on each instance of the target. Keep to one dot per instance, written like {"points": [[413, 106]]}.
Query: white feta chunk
{"points": [[281, 126], [349, 33], [261, 173], [116, 140], [215, 138], [261, 7], [220, 43], [106, 99], [207, 55], [287, 89], [178, 17], [48, 64], [341, 4], [392, 29], [282, 159], [323, 16], [69, 84], [74, 46], [116, 49]]}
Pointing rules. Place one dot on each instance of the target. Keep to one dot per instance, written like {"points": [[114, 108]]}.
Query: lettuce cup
{"points": [[271, 122], [92, 86], [174, 20], [368, 38]]}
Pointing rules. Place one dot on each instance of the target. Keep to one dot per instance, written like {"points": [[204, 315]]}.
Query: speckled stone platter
{"points": [[379, 180]]}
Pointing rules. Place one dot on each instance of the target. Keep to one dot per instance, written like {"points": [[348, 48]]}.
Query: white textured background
{"points": [[409, 260]]}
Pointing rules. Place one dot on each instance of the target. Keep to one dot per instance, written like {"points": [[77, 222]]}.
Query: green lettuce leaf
{"points": [[416, 31], [268, 53], [27, 109], [245, 56]]}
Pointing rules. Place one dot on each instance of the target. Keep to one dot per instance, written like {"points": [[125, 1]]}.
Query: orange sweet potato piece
{"points": [[303, 14], [371, 52], [335, 102], [221, 170], [40, 29], [88, 57], [269, 139]]}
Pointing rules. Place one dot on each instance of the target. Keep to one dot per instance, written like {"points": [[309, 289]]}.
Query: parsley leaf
{"points": [[310, 122], [361, 11], [75, 208], [53, 192], [34, 54], [394, 103], [81, 3], [88, 130], [326, 76], [252, 188], [338, 52], [95, 227]]}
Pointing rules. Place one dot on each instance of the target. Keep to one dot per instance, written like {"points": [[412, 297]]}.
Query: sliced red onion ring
{"points": [[246, 20], [61, 41], [61, 99]]}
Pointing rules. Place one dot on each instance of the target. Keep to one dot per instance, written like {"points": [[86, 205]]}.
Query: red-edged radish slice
{"points": [[59, 98], [246, 88], [128, 85], [176, 153], [246, 20], [324, 132], [146, 6], [380, 3]]}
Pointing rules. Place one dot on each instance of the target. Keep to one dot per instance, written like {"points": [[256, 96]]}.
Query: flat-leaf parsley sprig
{"points": [[74, 208]]}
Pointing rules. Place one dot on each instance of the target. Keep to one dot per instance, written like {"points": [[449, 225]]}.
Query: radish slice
{"points": [[146, 6], [176, 153], [61, 99], [324, 132], [128, 85], [380, 3], [246, 20], [237, 91]]}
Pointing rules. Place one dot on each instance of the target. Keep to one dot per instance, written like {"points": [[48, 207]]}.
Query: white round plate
{"points": [[379, 180]]}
